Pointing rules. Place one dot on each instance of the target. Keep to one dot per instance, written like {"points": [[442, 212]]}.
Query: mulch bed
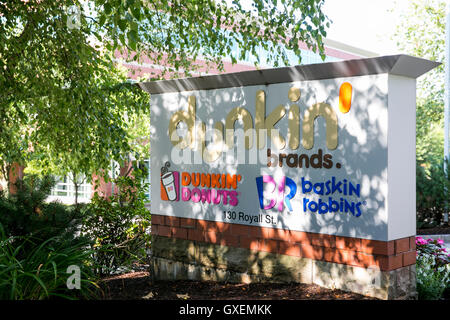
{"points": [[137, 285], [435, 230]]}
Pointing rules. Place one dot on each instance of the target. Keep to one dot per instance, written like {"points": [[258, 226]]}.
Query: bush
{"points": [[26, 212], [433, 268], [433, 191], [38, 243], [118, 226], [32, 268]]}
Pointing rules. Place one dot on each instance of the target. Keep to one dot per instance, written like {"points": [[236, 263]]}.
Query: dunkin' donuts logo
{"points": [[215, 188], [170, 183]]}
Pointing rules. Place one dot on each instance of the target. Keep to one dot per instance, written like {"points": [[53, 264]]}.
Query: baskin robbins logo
{"points": [[215, 188], [341, 196], [330, 196]]}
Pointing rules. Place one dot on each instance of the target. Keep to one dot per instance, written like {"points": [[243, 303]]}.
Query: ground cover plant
{"points": [[32, 268], [38, 243], [433, 268]]}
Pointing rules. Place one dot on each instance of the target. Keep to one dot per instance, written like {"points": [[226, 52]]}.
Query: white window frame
{"points": [[64, 191]]}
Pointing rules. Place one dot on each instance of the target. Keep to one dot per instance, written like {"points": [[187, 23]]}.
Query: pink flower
{"points": [[420, 240], [440, 241]]}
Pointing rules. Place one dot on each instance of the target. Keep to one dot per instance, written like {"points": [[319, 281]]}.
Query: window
{"points": [[64, 190]]}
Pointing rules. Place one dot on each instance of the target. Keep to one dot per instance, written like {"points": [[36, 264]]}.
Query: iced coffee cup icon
{"points": [[169, 185]]}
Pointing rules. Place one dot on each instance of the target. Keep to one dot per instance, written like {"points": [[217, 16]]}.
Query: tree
{"points": [[176, 33], [427, 42], [65, 105], [432, 179], [101, 133], [62, 98]]}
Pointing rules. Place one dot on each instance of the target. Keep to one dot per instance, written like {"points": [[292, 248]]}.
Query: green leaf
{"points": [[132, 39], [123, 25], [102, 20], [107, 8]]}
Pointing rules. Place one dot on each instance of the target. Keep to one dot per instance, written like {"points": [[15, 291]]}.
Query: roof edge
{"points": [[413, 67], [402, 65]]}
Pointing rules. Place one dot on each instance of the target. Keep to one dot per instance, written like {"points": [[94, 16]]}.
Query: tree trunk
{"points": [[14, 173], [77, 186], [76, 193]]}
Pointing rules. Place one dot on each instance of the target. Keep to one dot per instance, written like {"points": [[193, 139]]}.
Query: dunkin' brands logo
{"points": [[215, 188], [259, 128]]}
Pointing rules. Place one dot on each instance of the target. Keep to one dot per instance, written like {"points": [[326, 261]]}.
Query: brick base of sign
{"points": [[205, 250]]}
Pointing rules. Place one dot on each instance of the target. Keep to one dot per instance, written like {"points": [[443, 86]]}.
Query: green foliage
{"points": [[429, 131], [139, 134], [34, 269], [429, 43], [430, 284], [118, 225], [175, 36], [65, 105], [26, 212], [433, 269], [433, 192], [38, 244], [63, 100]]}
